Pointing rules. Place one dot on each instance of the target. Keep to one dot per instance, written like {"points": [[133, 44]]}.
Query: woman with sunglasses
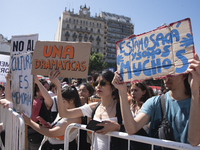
{"points": [[105, 112]]}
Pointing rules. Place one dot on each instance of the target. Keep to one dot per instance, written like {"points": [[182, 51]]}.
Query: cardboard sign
{"points": [[165, 50], [71, 59], [23, 43], [22, 82], [4, 67]]}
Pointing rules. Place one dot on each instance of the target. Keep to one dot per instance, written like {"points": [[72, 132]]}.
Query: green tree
{"points": [[96, 63]]}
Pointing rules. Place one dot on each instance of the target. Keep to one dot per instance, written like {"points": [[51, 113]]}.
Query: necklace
{"points": [[104, 110]]}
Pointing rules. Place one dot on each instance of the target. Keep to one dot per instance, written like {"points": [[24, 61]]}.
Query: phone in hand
{"points": [[43, 122], [92, 125]]}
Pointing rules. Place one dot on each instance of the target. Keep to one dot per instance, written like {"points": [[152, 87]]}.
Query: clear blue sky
{"points": [[20, 17]]}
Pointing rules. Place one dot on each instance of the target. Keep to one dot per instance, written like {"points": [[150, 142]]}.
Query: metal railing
{"points": [[14, 127], [137, 138]]}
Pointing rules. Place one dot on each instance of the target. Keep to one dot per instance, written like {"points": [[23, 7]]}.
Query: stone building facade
{"points": [[102, 30]]}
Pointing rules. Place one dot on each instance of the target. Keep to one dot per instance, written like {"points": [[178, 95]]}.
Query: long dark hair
{"points": [[70, 92], [89, 87], [143, 87], [109, 75]]}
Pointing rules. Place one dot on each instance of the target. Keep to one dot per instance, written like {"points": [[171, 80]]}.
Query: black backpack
{"points": [[163, 130], [122, 144]]}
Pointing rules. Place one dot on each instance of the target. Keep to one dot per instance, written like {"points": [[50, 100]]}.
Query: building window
{"points": [[100, 25], [70, 20], [67, 25], [86, 23], [97, 50], [80, 27], [97, 24], [86, 28], [98, 43], [91, 29], [90, 24], [81, 22], [93, 24], [98, 31], [77, 21], [74, 27], [74, 21]]}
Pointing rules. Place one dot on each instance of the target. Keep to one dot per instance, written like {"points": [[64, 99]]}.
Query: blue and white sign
{"points": [[22, 82], [165, 50]]}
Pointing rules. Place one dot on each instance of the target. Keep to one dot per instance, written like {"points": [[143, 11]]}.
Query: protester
{"points": [[85, 91], [139, 93], [52, 89], [178, 101], [90, 79], [106, 112], [40, 107], [151, 91], [55, 134]]}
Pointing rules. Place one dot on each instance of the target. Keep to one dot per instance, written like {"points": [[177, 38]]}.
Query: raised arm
{"points": [[132, 125], [194, 121], [8, 93], [63, 112], [54, 132], [47, 98]]}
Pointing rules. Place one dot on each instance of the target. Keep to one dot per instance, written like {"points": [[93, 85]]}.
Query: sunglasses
{"points": [[101, 83]]}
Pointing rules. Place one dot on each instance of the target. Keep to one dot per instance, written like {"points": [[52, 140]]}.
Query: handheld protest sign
{"points": [[165, 50], [71, 59], [22, 82], [4, 66], [23, 43]]}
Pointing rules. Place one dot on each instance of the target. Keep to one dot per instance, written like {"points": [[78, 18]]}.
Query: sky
{"points": [[21, 17]]}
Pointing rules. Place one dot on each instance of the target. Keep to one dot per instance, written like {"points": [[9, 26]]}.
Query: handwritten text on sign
{"points": [[23, 43], [22, 82], [163, 51], [72, 59], [4, 66]]}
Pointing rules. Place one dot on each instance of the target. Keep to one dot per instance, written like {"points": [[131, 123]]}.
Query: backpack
{"points": [[163, 130], [122, 144]]}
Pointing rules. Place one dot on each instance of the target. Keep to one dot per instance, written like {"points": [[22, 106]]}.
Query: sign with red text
{"points": [[23, 43], [71, 59], [165, 50]]}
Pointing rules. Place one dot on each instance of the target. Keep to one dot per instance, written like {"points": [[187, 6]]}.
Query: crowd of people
{"points": [[134, 109]]}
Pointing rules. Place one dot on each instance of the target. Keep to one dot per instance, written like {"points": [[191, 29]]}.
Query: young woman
{"points": [[106, 112], [55, 134], [85, 91], [139, 93]]}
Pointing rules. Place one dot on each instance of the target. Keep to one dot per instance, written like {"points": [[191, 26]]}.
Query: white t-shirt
{"points": [[72, 135], [100, 141]]}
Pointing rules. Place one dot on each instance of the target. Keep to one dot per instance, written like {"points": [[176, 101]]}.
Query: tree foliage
{"points": [[96, 63]]}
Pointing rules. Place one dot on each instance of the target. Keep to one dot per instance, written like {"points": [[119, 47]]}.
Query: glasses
{"points": [[101, 83]]}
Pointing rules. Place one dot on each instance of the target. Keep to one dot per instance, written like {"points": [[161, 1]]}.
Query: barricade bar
{"points": [[137, 138]]}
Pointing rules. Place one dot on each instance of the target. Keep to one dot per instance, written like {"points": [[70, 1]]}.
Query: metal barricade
{"points": [[14, 127], [137, 138]]}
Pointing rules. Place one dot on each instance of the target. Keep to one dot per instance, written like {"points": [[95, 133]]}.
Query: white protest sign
{"points": [[23, 43], [165, 50], [4, 66], [22, 82]]}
